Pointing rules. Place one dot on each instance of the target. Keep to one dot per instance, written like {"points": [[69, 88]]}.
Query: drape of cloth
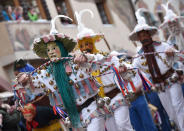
{"points": [[152, 63], [65, 89]]}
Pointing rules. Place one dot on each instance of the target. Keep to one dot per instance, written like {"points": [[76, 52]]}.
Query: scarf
{"points": [[152, 63], [65, 89], [29, 125]]}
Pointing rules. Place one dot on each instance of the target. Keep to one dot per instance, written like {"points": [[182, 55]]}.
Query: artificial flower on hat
{"points": [[141, 25], [40, 44]]}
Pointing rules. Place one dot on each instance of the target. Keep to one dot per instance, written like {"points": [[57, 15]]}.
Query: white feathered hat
{"points": [[170, 16], [141, 25], [84, 32]]}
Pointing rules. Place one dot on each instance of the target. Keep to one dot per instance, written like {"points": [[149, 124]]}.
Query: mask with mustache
{"points": [[89, 50], [146, 41]]}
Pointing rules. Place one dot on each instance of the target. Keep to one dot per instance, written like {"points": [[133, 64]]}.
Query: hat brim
{"points": [[134, 35], [95, 37], [40, 47]]}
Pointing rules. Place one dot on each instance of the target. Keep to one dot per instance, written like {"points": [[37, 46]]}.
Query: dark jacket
{"points": [[10, 121]]}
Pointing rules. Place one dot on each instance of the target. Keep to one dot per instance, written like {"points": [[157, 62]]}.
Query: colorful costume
{"points": [[140, 115], [99, 115], [176, 39], [159, 69], [173, 23], [72, 81]]}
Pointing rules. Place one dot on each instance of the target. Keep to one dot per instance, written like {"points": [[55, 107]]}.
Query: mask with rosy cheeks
{"points": [[53, 51]]}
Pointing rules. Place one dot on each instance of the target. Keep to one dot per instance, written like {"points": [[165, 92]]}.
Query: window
{"points": [[63, 8], [104, 12], [39, 6]]}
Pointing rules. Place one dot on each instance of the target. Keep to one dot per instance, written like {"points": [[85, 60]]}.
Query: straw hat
{"points": [[40, 44]]}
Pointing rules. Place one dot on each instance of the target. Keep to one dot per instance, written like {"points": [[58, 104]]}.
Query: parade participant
{"points": [[173, 23], [152, 98], [55, 46], [22, 66], [158, 67], [40, 118], [118, 120], [69, 78], [140, 115], [176, 39]]}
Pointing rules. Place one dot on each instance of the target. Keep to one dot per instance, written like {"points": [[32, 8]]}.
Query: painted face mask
{"points": [[87, 46], [53, 51]]}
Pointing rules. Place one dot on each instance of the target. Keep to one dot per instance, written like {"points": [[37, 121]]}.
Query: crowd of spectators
{"points": [[18, 116], [8, 13]]}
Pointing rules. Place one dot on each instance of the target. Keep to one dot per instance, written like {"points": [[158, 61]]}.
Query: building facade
{"points": [[17, 37]]}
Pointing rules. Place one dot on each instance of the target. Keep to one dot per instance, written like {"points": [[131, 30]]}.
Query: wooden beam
{"points": [[16, 2], [42, 11], [70, 11], [107, 12]]}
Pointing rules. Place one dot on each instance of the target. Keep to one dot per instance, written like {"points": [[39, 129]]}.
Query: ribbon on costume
{"points": [[146, 82], [58, 110], [120, 81]]}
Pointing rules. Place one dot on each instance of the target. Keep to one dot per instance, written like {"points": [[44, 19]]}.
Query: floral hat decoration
{"points": [[40, 44]]}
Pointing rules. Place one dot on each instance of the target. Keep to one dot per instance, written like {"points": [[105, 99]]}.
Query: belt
{"points": [[110, 94], [135, 96], [164, 76]]}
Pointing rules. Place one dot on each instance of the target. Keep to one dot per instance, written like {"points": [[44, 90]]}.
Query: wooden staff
{"points": [[106, 42]]}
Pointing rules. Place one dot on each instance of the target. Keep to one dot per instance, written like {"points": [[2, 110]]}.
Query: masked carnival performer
{"points": [[117, 117], [22, 72], [176, 39], [173, 23], [159, 69], [70, 78], [153, 99]]}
